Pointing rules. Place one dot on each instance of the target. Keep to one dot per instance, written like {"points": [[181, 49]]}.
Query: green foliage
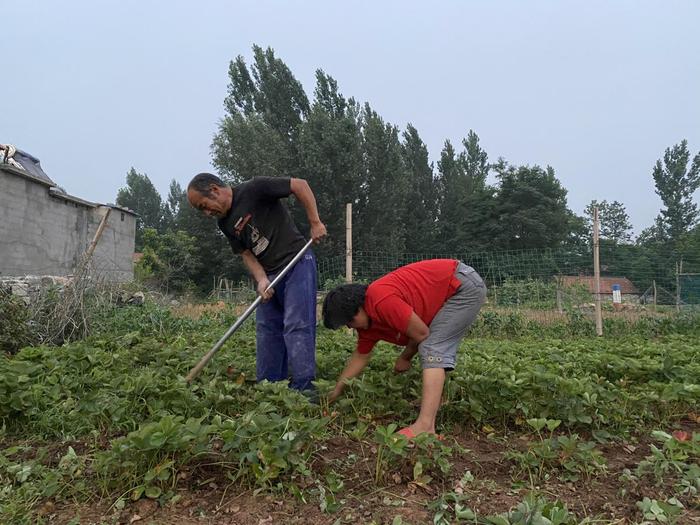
{"points": [[583, 383], [267, 445], [123, 389], [660, 511], [15, 330], [168, 260], [425, 455], [614, 222], [421, 200], [265, 107], [467, 217], [391, 447], [531, 206], [678, 458], [141, 196], [214, 256], [172, 205], [676, 184], [380, 208], [147, 460], [538, 294], [497, 324], [25, 482], [565, 454], [575, 322], [331, 154], [533, 510]]}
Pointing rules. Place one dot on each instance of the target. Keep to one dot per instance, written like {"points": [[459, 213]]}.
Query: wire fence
{"points": [[550, 285]]}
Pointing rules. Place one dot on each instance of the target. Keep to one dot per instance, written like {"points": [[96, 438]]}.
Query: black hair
{"points": [[341, 304], [202, 182]]}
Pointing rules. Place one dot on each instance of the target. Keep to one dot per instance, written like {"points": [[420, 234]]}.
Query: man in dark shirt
{"points": [[259, 227]]}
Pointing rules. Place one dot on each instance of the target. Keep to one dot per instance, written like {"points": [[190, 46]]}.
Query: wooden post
{"points": [[98, 234], [679, 269], [560, 303], [653, 284], [596, 273], [348, 242]]}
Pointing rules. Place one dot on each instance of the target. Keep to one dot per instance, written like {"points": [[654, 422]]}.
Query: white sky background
{"points": [[596, 89]]}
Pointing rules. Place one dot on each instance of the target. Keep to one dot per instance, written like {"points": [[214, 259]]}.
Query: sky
{"points": [[596, 89]]}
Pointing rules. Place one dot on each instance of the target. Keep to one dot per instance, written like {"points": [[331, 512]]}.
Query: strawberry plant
{"points": [[678, 458], [147, 460], [567, 454]]}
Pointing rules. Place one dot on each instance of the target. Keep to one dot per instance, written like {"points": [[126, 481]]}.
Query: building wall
{"points": [[114, 255], [44, 235]]}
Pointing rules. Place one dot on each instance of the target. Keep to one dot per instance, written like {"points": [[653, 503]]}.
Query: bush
{"points": [[15, 330]]}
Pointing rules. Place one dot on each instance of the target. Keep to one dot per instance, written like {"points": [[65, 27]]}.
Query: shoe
{"points": [[406, 431]]}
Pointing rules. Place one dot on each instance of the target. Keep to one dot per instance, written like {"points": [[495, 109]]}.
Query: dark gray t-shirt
{"points": [[259, 222]]}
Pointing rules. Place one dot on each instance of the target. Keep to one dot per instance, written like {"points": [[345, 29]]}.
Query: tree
{"points": [[171, 207], [450, 187], [531, 208], [382, 194], [421, 200], [169, 259], [475, 162], [214, 255], [478, 202], [246, 147], [265, 108], [614, 222], [654, 235], [331, 158], [141, 196], [273, 92], [675, 184], [466, 202]]}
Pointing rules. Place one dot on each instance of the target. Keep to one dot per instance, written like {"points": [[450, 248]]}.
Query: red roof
{"points": [[606, 283]]}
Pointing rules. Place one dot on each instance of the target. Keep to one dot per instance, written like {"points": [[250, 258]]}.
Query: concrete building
{"points": [[45, 231]]}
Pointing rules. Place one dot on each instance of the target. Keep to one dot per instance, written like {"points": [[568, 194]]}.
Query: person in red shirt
{"points": [[426, 307]]}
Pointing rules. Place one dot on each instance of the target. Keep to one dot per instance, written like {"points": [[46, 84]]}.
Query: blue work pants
{"points": [[286, 328]]}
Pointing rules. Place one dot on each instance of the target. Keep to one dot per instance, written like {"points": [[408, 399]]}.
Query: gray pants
{"points": [[451, 322]]}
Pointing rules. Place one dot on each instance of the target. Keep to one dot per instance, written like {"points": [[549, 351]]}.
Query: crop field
{"points": [[543, 428]]}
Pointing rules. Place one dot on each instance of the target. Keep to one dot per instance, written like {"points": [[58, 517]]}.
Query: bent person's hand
{"points": [[401, 365], [332, 397], [262, 287], [335, 393], [318, 231]]}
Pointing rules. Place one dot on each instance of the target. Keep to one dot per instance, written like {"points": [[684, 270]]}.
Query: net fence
{"points": [[548, 285]]}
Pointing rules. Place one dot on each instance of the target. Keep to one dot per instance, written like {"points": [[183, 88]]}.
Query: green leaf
{"points": [[137, 492], [153, 492], [537, 423]]}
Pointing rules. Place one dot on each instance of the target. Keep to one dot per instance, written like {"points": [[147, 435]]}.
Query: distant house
{"points": [[45, 231], [627, 288]]}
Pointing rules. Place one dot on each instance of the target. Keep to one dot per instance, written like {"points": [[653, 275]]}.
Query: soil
{"points": [[494, 490]]}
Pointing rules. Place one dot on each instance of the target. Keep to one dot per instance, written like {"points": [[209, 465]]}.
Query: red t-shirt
{"points": [[421, 287]]}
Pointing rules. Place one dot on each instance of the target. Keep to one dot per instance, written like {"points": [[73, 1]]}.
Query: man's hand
{"points": [[262, 286], [318, 231], [333, 396], [402, 365]]}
